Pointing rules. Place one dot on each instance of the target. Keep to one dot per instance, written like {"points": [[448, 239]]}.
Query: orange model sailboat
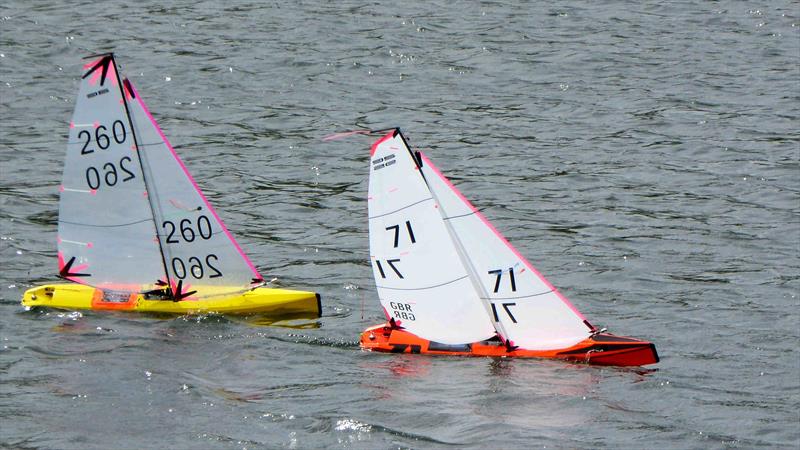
{"points": [[451, 284]]}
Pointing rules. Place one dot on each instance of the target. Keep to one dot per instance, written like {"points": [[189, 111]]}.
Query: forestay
{"points": [[523, 304], [198, 248], [106, 233], [420, 279]]}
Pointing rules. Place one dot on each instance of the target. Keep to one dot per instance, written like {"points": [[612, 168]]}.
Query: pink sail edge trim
{"points": [[380, 141], [501, 237], [196, 187]]}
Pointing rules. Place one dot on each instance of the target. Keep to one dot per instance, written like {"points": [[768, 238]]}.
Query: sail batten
{"points": [[401, 208], [421, 288]]}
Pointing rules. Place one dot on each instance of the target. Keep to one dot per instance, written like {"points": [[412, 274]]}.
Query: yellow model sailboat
{"points": [[135, 233]]}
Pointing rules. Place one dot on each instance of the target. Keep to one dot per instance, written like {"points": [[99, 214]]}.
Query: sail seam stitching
{"points": [[459, 216], [521, 296], [404, 207], [423, 288]]}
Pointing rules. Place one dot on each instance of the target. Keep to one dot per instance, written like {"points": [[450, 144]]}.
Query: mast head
{"points": [[104, 62]]}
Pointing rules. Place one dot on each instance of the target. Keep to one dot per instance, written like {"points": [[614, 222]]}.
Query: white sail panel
{"points": [[198, 248], [420, 280], [532, 313], [106, 234]]}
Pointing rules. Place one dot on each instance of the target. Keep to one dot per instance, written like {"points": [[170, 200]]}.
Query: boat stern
{"points": [[609, 350]]}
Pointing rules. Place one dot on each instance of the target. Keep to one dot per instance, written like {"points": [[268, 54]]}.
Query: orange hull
{"points": [[601, 349]]}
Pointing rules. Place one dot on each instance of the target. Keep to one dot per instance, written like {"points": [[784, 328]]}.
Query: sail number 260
{"points": [[110, 172], [102, 138], [194, 266], [187, 230]]}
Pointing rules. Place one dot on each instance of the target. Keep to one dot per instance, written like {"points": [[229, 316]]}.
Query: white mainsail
{"points": [[131, 217], [530, 312], [106, 233], [421, 281]]}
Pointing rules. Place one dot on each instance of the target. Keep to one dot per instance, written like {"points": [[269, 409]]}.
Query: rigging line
{"points": [[514, 298], [459, 216], [121, 87], [423, 288], [104, 226], [404, 207], [153, 144]]}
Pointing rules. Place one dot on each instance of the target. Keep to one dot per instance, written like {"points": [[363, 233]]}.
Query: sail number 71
{"points": [[508, 311], [499, 273], [396, 229], [392, 264]]}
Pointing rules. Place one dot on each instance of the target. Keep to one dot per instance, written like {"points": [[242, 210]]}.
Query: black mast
{"points": [[173, 294]]}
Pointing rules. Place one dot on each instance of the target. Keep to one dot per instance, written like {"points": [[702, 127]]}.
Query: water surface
{"points": [[644, 156]]}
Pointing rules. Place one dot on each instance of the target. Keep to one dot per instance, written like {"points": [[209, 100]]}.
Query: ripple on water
{"points": [[644, 158]]}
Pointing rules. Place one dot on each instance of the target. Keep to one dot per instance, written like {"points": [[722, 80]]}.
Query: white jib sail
{"points": [[421, 282], [533, 314], [198, 248], [106, 234]]}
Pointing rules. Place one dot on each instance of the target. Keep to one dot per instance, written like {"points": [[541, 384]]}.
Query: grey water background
{"points": [[643, 155]]}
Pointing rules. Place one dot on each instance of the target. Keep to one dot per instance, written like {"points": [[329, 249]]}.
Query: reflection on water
{"points": [[399, 366], [300, 323], [643, 156]]}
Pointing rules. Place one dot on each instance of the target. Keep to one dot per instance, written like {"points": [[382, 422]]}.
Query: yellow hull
{"points": [[262, 300]]}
